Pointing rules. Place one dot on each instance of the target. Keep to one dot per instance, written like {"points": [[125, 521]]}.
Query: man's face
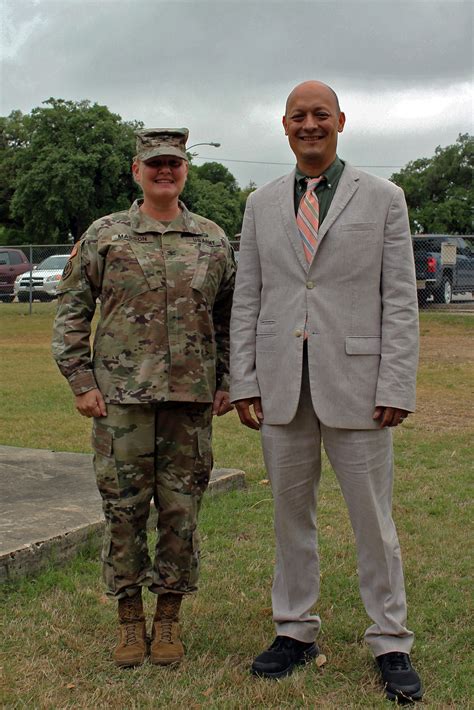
{"points": [[312, 122], [162, 178]]}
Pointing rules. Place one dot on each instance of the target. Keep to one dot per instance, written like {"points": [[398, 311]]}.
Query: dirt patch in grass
{"points": [[444, 411], [446, 375], [438, 346]]}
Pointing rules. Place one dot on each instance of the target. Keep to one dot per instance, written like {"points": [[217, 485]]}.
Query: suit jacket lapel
{"points": [[347, 186], [286, 202]]}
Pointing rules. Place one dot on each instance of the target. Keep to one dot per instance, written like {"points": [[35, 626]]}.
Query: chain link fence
{"points": [[235, 244], [444, 270], [30, 273]]}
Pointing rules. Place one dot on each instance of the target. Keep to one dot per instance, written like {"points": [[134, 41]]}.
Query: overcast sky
{"points": [[402, 70]]}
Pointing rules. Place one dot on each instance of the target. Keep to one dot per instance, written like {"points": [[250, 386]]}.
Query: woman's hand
{"points": [[221, 404], [91, 404]]}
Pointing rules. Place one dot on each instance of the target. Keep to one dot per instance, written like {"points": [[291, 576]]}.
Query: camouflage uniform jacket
{"points": [[165, 298]]}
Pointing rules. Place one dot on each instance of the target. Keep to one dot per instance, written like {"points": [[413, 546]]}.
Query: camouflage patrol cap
{"points": [[161, 141]]}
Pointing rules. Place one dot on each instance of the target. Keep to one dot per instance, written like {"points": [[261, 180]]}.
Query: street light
{"points": [[214, 145]]}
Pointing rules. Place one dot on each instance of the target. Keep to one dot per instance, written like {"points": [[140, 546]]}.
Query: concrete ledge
{"points": [[50, 507], [33, 558]]}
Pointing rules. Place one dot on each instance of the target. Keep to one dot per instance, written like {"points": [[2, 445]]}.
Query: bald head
{"points": [[307, 86], [312, 122]]}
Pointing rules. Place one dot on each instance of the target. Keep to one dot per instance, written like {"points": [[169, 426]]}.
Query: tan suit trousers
{"points": [[363, 463]]}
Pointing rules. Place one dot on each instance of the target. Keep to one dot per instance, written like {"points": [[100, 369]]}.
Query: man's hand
{"points": [[91, 404], [243, 410], [390, 416], [221, 404]]}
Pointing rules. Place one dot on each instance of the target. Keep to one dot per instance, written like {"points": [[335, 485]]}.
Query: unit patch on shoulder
{"points": [[72, 271], [67, 270]]}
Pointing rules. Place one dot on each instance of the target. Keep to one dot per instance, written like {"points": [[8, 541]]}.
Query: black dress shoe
{"points": [[283, 655], [400, 679]]}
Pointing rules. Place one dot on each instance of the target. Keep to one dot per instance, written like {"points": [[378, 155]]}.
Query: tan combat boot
{"points": [[166, 647], [132, 647]]}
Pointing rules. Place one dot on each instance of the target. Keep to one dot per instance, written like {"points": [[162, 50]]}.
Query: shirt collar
{"points": [[142, 223], [332, 172]]}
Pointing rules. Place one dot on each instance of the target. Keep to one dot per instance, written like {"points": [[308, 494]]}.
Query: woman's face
{"points": [[162, 179]]}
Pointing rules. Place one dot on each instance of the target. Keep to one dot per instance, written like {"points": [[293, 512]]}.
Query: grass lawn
{"points": [[58, 627]]}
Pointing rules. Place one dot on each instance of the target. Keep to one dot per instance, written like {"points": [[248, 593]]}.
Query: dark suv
{"points": [[444, 266]]}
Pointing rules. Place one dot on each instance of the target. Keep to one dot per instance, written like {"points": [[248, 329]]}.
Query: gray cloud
{"points": [[225, 68]]}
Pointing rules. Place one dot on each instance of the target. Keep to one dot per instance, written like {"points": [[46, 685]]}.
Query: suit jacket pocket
{"points": [[266, 327], [358, 227], [363, 345], [266, 342]]}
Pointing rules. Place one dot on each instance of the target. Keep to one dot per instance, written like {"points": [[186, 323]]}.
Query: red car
{"points": [[13, 262]]}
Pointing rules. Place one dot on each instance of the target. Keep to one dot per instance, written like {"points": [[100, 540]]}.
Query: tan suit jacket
{"points": [[358, 296]]}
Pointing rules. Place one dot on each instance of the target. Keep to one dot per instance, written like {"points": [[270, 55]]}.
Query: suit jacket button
{"points": [[298, 333], [310, 284]]}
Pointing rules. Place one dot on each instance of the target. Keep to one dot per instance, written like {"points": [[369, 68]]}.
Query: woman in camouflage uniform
{"points": [[164, 278]]}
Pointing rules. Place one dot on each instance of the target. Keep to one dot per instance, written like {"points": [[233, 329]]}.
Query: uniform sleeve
{"points": [[78, 291], [221, 318]]}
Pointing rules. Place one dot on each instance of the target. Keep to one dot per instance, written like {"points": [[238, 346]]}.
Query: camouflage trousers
{"points": [[144, 452]]}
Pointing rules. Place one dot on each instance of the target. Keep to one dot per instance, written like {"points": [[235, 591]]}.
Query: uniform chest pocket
{"points": [[132, 269], [208, 271], [151, 262]]}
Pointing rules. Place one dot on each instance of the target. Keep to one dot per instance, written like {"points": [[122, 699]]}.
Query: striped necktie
{"points": [[307, 218]]}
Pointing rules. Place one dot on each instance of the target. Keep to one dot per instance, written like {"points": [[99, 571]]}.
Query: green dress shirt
{"points": [[324, 191]]}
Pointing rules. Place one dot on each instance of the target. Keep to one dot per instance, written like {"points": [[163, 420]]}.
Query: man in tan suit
{"points": [[324, 348]]}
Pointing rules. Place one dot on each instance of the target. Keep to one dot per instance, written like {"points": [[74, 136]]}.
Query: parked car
{"points": [[13, 263], [444, 266], [43, 280]]}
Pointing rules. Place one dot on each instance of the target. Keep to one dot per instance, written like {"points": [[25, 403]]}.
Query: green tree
{"points": [[218, 173], [217, 203], [69, 164], [245, 193], [13, 137], [216, 196], [439, 190]]}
